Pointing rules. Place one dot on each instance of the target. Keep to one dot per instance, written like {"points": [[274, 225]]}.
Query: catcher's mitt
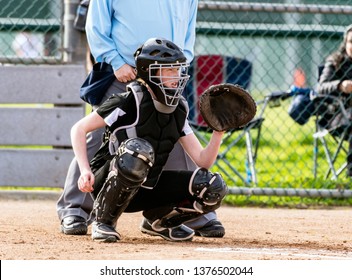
{"points": [[226, 106]]}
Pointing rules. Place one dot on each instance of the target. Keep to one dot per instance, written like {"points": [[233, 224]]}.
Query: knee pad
{"points": [[208, 189], [135, 156]]}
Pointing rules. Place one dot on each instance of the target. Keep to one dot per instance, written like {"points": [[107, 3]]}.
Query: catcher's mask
{"points": [[153, 59]]}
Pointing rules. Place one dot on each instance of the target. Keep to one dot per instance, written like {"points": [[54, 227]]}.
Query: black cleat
{"points": [[74, 225], [213, 228], [104, 233], [179, 233]]}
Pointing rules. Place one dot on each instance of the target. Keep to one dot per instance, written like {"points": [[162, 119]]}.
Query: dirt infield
{"points": [[30, 231]]}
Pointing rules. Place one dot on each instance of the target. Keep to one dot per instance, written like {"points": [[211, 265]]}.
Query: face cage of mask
{"points": [[171, 94]]}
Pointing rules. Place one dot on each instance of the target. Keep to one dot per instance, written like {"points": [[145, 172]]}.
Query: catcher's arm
{"points": [[78, 137], [203, 157]]}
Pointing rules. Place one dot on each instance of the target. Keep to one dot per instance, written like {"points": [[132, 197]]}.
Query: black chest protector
{"points": [[161, 130]]}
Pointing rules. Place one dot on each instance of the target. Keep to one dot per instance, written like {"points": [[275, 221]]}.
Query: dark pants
{"points": [[171, 189]]}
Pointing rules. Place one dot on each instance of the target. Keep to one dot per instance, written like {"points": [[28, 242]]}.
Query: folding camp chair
{"points": [[332, 140], [207, 70], [309, 103]]}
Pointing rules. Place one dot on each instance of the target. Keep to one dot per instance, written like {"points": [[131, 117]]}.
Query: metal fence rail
{"points": [[275, 7], [291, 192]]}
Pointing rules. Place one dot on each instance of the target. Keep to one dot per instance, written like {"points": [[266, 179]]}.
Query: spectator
{"points": [[336, 80], [28, 45]]}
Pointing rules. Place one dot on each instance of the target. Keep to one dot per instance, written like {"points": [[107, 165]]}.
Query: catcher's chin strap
{"points": [[147, 86]]}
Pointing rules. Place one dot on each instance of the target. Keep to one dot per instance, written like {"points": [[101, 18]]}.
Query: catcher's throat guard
{"points": [[227, 106]]}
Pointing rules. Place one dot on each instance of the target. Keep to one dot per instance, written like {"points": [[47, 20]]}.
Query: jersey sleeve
{"points": [[116, 107], [187, 129]]}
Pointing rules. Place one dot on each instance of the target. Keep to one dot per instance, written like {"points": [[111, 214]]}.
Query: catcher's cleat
{"points": [[213, 228], [179, 233], [74, 225], [104, 233]]}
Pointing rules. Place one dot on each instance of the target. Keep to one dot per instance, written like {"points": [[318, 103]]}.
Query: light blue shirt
{"points": [[116, 28]]}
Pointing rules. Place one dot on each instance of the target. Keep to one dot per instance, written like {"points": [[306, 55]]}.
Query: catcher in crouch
{"points": [[142, 126]]}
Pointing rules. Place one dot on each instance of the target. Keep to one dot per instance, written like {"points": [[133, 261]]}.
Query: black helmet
{"points": [[157, 54]]}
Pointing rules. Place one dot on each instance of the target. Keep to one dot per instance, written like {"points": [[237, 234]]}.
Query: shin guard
{"points": [[128, 170]]}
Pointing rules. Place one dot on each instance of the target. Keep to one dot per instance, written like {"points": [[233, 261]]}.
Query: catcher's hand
{"points": [[227, 106]]}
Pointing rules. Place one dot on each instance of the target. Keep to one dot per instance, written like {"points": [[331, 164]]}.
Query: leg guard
{"points": [[128, 170], [208, 189]]}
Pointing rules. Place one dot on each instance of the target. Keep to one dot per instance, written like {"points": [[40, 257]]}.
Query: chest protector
{"points": [[162, 130]]}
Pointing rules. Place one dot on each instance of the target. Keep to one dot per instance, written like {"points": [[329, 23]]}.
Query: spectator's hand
{"points": [[346, 86], [86, 181], [125, 73]]}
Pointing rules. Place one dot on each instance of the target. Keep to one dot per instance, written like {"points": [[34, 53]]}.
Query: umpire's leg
{"points": [[74, 203]]}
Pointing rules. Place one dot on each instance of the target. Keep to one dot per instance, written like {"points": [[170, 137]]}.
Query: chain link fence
{"points": [[31, 31], [284, 42], [281, 44]]}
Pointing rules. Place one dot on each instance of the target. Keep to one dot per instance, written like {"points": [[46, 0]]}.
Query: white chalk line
{"points": [[289, 252]]}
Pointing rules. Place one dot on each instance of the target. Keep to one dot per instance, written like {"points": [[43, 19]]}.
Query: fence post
{"points": [[74, 41]]}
